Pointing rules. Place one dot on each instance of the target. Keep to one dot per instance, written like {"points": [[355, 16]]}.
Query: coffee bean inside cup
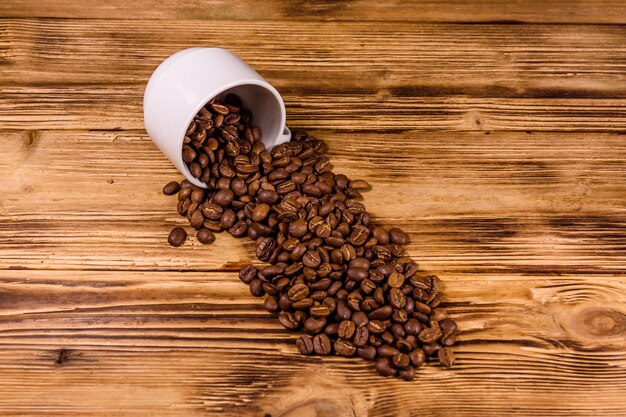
{"points": [[332, 274]]}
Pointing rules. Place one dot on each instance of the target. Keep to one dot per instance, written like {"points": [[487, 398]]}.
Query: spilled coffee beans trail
{"points": [[341, 280]]}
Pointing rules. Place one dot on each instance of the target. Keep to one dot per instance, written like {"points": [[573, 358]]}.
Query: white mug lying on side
{"points": [[187, 80]]}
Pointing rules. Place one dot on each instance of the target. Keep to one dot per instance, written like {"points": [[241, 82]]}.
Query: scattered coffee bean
{"points": [[205, 236], [171, 188], [177, 236]]}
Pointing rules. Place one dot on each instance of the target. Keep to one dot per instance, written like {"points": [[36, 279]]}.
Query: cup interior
{"points": [[265, 109]]}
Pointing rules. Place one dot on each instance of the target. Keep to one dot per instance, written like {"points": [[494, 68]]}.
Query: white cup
{"points": [[187, 80]]}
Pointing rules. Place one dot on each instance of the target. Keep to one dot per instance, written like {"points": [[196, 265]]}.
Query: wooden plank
{"points": [[505, 201], [105, 343], [365, 76], [557, 11]]}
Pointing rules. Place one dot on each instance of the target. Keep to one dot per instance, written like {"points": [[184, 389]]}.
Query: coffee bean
{"points": [[321, 310], [171, 188], [265, 248], [366, 352], [417, 357], [261, 211], [298, 292], [387, 351], [177, 236], [314, 325], [271, 304], [359, 184], [311, 259], [407, 373], [298, 228], [239, 229], [397, 236], [384, 367], [448, 327], [359, 235], [256, 287], [400, 360], [189, 155], [205, 236], [430, 334], [361, 336], [412, 327], [305, 344], [321, 344], [396, 298], [395, 280], [380, 313], [344, 348], [288, 320], [346, 329], [223, 197]]}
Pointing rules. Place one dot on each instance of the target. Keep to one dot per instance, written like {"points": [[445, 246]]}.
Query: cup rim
{"points": [[249, 81]]}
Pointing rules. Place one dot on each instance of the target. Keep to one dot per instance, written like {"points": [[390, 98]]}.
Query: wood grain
{"points": [[505, 12], [197, 343], [509, 200], [498, 147]]}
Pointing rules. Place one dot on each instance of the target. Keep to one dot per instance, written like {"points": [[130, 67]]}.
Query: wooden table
{"points": [[493, 132]]}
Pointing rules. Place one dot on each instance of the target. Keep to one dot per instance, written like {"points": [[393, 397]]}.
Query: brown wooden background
{"points": [[492, 131]]}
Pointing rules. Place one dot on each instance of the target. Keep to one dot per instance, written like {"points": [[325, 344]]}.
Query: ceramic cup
{"points": [[187, 80]]}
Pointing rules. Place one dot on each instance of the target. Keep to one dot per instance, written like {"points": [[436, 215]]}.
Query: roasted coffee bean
{"points": [[321, 344], [417, 357], [256, 287], [321, 310], [265, 248], [298, 228], [344, 348], [380, 313], [311, 259], [366, 352], [360, 318], [407, 373], [430, 334], [223, 197], [248, 273], [298, 292], [431, 349], [361, 335], [171, 188], [398, 237], [346, 329], [396, 298], [359, 235], [303, 304], [288, 320], [305, 344], [260, 212], [400, 360], [448, 327], [205, 236], [413, 327], [239, 229], [177, 236], [387, 351], [357, 274], [395, 280], [314, 325], [384, 367], [271, 304]]}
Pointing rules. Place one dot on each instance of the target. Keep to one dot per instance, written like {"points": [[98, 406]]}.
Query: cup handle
{"points": [[286, 136]]}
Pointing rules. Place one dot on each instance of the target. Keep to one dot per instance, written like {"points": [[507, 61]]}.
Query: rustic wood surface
{"points": [[499, 147]]}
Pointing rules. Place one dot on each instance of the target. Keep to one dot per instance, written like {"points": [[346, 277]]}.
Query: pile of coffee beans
{"points": [[332, 274]]}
